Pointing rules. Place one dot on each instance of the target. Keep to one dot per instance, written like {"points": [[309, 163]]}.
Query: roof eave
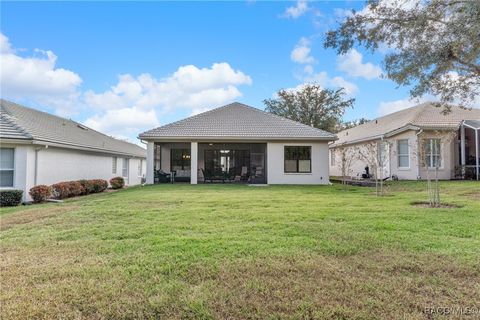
{"points": [[231, 138]]}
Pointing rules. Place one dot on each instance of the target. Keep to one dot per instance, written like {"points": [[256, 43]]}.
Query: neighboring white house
{"points": [[410, 142], [238, 143], [40, 148]]}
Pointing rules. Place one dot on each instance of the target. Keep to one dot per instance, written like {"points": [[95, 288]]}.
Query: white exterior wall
{"points": [[60, 164], [275, 164], [416, 168]]}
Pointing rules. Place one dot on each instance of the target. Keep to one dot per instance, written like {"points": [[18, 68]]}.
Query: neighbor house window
{"points": [[179, 159], [125, 168], [432, 153], [332, 157], [7, 167], [139, 173], [114, 165], [403, 154], [298, 159]]}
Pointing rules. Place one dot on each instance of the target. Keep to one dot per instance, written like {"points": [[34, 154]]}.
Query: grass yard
{"points": [[239, 252]]}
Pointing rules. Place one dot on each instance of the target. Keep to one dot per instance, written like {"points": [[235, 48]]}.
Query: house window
{"points": [[332, 157], [139, 173], [403, 154], [125, 168], [432, 153], [298, 159], [114, 165], [7, 167], [179, 159]]}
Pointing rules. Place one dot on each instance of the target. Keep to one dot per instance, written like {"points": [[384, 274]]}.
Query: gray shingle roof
{"points": [[19, 122], [237, 121], [424, 116]]}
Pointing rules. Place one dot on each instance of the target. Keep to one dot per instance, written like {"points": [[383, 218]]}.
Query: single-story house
{"points": [[411, 144], [40, 148], [238, 143]]}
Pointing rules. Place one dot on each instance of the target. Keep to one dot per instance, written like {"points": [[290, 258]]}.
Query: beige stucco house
{"points": [[39, 148], [411, 144], [237, 143]]}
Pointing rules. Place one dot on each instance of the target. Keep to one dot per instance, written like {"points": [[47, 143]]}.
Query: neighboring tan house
{"points": [[40, 148], [410, 144], [238, 143]]}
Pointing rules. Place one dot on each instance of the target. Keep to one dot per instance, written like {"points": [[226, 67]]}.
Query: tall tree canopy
{"points": [[435, 44], [311, 105]]}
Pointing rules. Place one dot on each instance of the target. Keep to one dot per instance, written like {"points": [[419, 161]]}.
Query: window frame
{"points": [[140, 168], [297, 160], [332, 158], [114, 165], [399, 154], [9, 169], [125, 167], [431, 155]]}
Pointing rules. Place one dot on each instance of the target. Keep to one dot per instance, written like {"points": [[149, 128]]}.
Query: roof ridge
{"points": [[188, 118], [244, 106]]}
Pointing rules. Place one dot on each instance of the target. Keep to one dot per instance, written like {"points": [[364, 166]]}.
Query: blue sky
{"points": [[123, 68]]}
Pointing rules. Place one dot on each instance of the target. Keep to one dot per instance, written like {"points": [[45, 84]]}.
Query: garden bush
{"points": [[117, 183], [61, 190], [87, 186], [10, 198], [40, 193], [99, 185]]}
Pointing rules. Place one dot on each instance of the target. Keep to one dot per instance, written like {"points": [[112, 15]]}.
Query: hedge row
{"points": [[67, 189], [10, 198]]}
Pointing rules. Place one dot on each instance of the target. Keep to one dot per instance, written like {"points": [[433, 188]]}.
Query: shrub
{"points": [[87, 186], [117, 183], [10, 198], [75, 189], [40, 193], [61, 190], [99, 185]]}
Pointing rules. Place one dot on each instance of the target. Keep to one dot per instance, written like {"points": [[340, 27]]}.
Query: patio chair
{"points": [[162, 176]]}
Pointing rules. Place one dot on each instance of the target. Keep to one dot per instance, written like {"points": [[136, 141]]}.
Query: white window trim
{"points": [[399, 154], [428, 165], [140, 168], [10, 169], [114, 159]]}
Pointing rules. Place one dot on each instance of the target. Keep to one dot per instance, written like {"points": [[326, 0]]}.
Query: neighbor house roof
{"points": [[237, 121], [423, 116], [21, 123]]}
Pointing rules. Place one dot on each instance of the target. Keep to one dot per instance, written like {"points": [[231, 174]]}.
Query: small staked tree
{"points": [[311, 105], [348, 155], [430, 153], [376, 154]]}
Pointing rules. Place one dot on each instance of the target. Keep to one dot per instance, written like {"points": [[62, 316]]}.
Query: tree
{"points": [[435, 45], [351, 124], [311, 105], [376, 155], [348, 156]]}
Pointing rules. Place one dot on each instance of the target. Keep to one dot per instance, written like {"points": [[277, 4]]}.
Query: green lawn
{"points": [[240, 252]]}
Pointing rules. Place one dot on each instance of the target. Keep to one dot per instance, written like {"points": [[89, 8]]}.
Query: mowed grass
{"points": [[240, 252]]}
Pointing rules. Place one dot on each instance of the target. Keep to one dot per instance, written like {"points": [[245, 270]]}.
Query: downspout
{"points": [[35, 177], [418, 155]]}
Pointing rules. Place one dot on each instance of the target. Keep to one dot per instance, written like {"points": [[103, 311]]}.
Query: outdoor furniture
{"points": [[208, 175], [162, 177]]}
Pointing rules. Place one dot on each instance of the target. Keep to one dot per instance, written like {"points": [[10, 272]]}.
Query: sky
{"points": [[126, 67]]}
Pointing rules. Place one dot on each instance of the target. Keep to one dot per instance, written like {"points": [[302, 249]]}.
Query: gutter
{"points": [[418, 155]]}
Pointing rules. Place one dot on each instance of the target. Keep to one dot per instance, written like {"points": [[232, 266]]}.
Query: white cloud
{"points": [[188, 87], [324, 80], [36, 77], [294, 12], [351, 63], [123, 123], [301, 53], [134, 103]]}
